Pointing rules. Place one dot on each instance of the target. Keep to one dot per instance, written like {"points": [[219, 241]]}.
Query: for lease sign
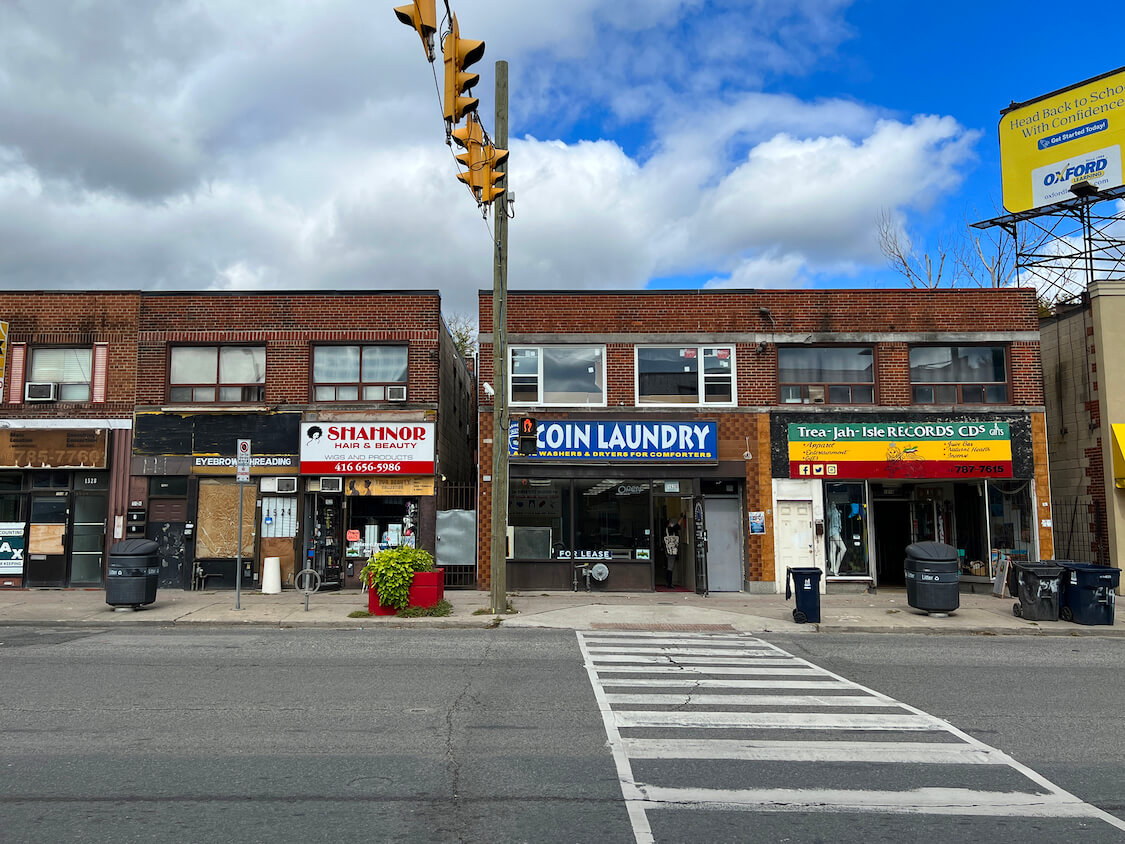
{"points": [[367, 448]]}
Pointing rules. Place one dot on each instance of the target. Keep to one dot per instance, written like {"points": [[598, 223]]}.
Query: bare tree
{"points": [[464, 330]]}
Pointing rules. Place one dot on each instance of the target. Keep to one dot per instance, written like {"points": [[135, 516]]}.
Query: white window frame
{"points": [[702, 378], [539, 402]]}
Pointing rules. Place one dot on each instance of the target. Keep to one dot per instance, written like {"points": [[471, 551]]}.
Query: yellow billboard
{"points": [[1052, 142]]}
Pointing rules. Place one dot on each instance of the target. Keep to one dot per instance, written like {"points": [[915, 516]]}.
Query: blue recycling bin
{"points": [[806, 588], [1088, 592]]}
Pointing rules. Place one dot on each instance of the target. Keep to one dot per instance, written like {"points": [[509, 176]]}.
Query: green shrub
{"points": [[439, 610], [390, 573]]}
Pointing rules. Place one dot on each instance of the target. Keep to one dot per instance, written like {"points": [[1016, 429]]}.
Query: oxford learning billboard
{"points": [[1073, 135]]}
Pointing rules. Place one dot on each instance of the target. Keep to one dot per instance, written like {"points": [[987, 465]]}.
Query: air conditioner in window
{"points": [[331, 484], [286, 484], [312, 485], [816, 395], [269, 485], [396, 393], [40, 391]]}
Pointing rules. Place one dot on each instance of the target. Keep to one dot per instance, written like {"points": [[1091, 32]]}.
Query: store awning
{"points": [[1119, 455]]}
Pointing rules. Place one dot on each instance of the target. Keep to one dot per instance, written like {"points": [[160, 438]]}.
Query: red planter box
{"points": [[427, 588]]}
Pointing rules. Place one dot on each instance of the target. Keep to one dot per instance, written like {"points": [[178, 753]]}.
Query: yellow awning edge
{"points": [[1118, 455]]}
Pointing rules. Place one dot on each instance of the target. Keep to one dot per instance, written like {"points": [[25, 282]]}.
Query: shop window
{"points": [[571, 375], [685, 374], [60, 374], [958, 375], [217, 527], [217, 374], [359, 373], [539, 519], [613, 517], [845, 530], [10, 497], [1011, 523], [826, 375]]}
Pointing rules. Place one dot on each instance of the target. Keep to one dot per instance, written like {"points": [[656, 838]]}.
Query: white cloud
{"points": [[224, 144]]}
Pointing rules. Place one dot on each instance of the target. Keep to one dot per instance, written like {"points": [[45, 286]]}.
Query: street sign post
{"points": [[242, 460]]}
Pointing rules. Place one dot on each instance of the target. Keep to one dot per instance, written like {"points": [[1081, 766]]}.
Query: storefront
{"points": [[852, 491], [634, 496], [57, 508], [185, 495], [369, 485]]}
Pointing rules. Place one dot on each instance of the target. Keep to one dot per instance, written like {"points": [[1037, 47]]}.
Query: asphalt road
{"points": [[458, 735]]}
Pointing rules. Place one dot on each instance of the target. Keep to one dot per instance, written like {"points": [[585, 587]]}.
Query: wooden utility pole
{"points": [[499, 554]]}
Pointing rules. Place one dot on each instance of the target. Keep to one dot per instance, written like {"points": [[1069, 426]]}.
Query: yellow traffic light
{"points": [[459, 53], [491, 159], [470, 137], [422, 16]]}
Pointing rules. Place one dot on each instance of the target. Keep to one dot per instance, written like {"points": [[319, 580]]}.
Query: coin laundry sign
{"points": [[666, 442], [973, 449], [367, 448]]}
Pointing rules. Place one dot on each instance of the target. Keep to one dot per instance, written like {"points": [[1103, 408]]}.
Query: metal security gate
{"points": [[455, 541]]}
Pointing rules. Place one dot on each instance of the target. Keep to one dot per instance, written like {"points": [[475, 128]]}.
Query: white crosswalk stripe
{"points": [[663, 697]]}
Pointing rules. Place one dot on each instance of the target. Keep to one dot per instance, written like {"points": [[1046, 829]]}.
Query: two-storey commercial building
{"points": [[766, 430]]}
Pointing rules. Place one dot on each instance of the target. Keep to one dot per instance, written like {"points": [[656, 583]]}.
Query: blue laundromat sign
{"points": [[659, 442]]}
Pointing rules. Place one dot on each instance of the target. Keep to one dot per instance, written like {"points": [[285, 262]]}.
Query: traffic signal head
{"points": [[422, 16], [470, 137], [529, 435], [492, 159], [459, 53]]}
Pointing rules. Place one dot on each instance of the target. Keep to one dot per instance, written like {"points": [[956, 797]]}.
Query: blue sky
{"points": [[654, 143]]}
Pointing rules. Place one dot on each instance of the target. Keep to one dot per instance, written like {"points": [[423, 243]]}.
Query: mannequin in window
{"points": [[671, 550], [836, 546]]}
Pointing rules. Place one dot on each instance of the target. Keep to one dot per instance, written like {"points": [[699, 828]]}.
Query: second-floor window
{"points": [[958, 375], [355, 373], [217, 374], [71, 370], [558, 375], [685, 375], [826, 375]]}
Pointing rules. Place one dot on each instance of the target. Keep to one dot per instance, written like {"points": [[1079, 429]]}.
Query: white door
{"points": [[724, 544], [794, 539]]}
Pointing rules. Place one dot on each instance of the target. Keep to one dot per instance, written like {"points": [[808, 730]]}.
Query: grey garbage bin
{"points": [[933, 577], [133, 573]]}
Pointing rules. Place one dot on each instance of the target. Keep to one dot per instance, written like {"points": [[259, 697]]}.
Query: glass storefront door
{"points": [[46, 547]]}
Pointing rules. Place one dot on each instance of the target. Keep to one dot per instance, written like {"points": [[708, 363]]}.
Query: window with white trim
{"points": [[217, 374], [71, 369], [354, 373], [570, 375], [685, 375]]}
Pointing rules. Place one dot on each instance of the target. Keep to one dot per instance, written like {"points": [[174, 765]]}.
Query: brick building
{"points": [[66, 412], [767, 429], [357, 406], [1085, 400]]}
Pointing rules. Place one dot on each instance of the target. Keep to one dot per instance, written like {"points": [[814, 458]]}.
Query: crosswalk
{"points": [[728, 722]]}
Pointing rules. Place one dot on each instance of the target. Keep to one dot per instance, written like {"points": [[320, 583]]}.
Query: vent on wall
{"points": [[331, 484], [41, 391], [286, 484]]}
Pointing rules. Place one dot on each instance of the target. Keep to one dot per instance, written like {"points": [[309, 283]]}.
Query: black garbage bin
{"points": [[933, 577], [806, 587], [1036, 585], [134, 571], [1088, 593]]}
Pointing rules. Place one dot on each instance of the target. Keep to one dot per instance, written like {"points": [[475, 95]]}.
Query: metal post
{"points": [[238, 565], [499, 554]]}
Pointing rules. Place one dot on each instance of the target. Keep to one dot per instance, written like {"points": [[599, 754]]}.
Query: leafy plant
{"points": [[390, 573]]}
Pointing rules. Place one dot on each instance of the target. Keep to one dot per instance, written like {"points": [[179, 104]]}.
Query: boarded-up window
{"points": [[217, 532]]}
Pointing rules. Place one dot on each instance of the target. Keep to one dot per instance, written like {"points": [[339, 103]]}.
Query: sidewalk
{"points": [[884, 612]]}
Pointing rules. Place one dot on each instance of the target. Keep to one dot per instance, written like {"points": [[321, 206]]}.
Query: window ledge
{"points": [[214, 407]]}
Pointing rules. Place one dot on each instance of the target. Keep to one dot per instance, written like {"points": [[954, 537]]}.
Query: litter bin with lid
{"points": [[133, 573], [806, 587], [1036, 585], [933, 577], [1088, 593]]}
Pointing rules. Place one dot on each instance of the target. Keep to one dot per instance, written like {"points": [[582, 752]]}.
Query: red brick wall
{"points": [[77, 319], [288, 324]]}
